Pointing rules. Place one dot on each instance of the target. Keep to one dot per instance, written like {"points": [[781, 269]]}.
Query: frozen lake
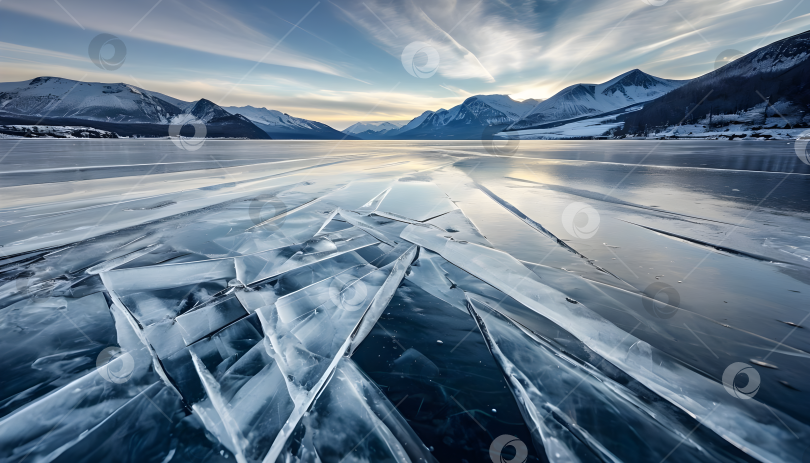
{"points": [[259, 300]]}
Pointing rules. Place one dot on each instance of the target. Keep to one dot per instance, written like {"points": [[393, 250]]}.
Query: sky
{"points": [[340, 62]]}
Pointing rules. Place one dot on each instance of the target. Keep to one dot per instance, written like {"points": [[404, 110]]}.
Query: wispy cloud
{"points": [[457, 91], [34, 51], [473, 39], [201, 25], [677, 40]]}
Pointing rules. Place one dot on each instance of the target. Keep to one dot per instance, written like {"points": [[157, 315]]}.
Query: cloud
{"points": [[623, 33], [457, 91], [474, 41], [199, 25], [592, 41], [22, 49]]}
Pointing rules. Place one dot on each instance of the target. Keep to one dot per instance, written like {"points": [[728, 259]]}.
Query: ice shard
{"points": [[311, 329], [44, 350], [383, 297], [416, 200], [576, 412], [749, 424], [351, 420], [261, 266], [83, 404], [242, 397], [208, 318]]}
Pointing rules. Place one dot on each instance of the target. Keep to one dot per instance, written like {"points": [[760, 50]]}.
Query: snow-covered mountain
{"points": [[65, 98], [774, 75], [376, 127], [373, 127], [466, 120], [116, 106], [777, 57], [588, 100], [215, 117], [207, 111], [119, 108], [469, 119], [374, 130], [283, 126], [415, 122]]}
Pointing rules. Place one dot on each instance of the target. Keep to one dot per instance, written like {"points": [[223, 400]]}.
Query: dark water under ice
{"points": [[404, 301]]}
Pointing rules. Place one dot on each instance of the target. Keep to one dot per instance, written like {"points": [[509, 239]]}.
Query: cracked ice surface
{"points": [[292, 314]]}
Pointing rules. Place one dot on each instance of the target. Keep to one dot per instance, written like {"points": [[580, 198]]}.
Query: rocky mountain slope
{"points": [[773, 81]]}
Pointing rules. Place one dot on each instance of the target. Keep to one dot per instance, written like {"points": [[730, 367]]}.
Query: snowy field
{"points": [[403, 301], [595, 127]]}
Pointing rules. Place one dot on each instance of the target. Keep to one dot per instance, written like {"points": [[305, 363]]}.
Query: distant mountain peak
{"points": [[206, 110], [281, 125], [634, 78], [373, 127], [578, 100]]}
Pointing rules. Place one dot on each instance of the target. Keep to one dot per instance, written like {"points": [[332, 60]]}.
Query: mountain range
{"points": [[632, 103], [374, 130], [477, 113], [128, 110], [132, 111], [467, 120]]}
